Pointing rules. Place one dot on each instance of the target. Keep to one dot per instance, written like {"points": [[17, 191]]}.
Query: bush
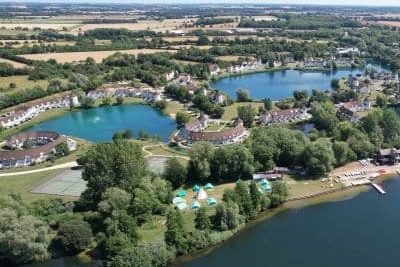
{"points": [[75, 236]]}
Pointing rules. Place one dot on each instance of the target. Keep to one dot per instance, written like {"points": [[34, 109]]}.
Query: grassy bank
{"points": [[23, 184]]}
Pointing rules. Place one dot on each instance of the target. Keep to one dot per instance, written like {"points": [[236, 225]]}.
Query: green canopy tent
{"points": [[266, 185], [195, 205], [177, 200], [181, 194], [211, 201], [196, 188], [208, 186]]}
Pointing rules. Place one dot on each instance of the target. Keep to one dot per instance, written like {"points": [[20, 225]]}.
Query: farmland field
{"points": [[53, 26], [154, 25], [98, 56], [14, 63], [390, 23]]}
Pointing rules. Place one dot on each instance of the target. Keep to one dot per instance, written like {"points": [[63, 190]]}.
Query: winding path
{"points": [[151, 154], [55, 167]]}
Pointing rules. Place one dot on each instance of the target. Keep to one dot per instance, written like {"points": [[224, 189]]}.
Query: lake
{"points": [[99, 124], [280, 84], [361, 231]]}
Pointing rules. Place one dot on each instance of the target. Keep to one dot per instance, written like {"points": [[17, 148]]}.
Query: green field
{"points": [[231, 111], [21, 82], [23, 184]]}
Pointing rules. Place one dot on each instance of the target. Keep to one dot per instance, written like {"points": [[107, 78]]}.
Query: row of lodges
{"points": [[349, 110], [245, 66], [147, 93], [41, 145], [25, 113], [186, 80], [195, 132], [284, 116], [325, 62]]}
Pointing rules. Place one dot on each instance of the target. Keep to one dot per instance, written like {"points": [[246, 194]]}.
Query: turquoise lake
{"points": [[99, 124], [277, 85]]}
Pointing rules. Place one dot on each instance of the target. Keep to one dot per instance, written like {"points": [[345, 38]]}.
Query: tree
{"points": [[119, 164], [267, 104], [255, 196], [127, 134], [117, 136], [174, 172], [75, 236], [324, 116], [247, 115], [242, 95], [161, 105], [318, 158], [381, 100], [202, 221], [182, 118], [278, 194], [227, 216], [343, 153], [231, 163], [300, 96], [199, 164], [244, 201], [23, 239], [120, 100], [175, 235], [203, 40], [107, 101], [335, 84], [62, 149], [132, 257]]}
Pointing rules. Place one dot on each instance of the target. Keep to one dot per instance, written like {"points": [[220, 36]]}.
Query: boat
{"points": [[378, 188]]}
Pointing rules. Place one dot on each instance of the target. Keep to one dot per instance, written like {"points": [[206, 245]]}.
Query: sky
{"points": [[324, 2]]}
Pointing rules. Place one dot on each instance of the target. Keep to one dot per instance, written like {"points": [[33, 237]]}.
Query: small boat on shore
{"points": [[378, 188]]}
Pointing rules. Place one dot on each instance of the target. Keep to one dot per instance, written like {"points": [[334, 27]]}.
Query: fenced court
{"points": [[156, 164], [67, 183]]}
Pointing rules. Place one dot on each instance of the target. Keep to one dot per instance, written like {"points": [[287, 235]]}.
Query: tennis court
{"points": [[67, 183]]}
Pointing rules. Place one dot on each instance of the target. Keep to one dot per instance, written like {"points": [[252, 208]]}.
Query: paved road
{"points": [[55, 167]]}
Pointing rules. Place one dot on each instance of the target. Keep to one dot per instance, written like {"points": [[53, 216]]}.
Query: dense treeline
{"points": [[213, 21], [303, 22]]}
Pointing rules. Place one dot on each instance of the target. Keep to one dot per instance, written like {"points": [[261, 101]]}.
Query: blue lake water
{"points": [[362, 231], [277, 85], [99, 124]]}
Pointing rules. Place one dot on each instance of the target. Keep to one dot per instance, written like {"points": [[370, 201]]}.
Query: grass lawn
{"points": [[172, 108], [21, 82], [231, 111], [343, 84], [23, 184]]}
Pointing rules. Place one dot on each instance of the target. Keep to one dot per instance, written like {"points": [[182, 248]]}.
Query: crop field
{"points": [[45, 26], [14, 63], [98, 56], [154, 25], [390, 23], [180, 39]]}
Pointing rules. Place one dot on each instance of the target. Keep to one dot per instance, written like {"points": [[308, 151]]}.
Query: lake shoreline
{"points": [[341, 194]]}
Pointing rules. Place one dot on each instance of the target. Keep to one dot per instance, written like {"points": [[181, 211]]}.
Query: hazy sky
{"points": [[325, 2]]}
